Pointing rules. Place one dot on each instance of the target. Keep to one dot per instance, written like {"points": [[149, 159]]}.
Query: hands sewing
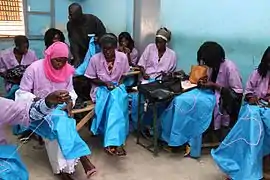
{"points": [[57, 97], [205, 84]]}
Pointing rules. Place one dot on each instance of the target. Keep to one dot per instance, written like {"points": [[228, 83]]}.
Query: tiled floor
{"points": [[138, 165]]}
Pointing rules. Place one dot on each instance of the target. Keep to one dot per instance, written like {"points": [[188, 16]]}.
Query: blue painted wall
{"points": [[241, 27], [116, 15]]}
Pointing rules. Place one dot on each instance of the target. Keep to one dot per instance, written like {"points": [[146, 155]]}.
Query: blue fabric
{"points": [[92, 50], [58, 126], [11, 93], [11, 166], [111, 115], [186, 118], [240, 155]]}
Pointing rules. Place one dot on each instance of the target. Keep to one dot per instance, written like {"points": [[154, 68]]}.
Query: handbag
{"points": [[197, 72], [164, 89], [15, 74]]}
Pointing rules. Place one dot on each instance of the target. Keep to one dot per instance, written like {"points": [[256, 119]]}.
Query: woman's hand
{"points": [[69, 108], [253, 100], [57, 97], [110, 85], [126, 50]]}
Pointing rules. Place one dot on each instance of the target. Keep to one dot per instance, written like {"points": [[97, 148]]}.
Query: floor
{"points": [[138, 165]]}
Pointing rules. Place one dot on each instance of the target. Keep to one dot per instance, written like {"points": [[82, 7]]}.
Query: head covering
{"points": [[164, 33], [56, 50], [108, 38]]}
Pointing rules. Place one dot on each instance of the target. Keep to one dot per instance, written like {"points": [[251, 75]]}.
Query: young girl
{"points": [[42, 77], [126, 45]]}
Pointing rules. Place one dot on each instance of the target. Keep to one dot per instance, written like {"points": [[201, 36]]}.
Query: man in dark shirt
{"points": [[79, 27]]}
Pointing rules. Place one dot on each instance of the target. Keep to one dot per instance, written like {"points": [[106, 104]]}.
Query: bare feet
{"points": [[89, 168]]}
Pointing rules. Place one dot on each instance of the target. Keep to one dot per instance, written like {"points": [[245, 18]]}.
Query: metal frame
{"points": [[27, 13], [154, 146]]}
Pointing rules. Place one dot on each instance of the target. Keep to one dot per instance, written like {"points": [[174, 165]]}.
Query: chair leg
{"points": [[139, 119], [85, 120], [155, 125]]}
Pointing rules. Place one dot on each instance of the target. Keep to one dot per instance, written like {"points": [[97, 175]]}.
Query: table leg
{"points": [[155, 125], [139, 119]]}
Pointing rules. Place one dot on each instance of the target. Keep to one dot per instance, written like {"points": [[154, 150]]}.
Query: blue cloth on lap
{"points": [[111, 115], [58, 126], [240, 155]]}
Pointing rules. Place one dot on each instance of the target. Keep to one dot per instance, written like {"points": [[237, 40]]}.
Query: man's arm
{"points": [[74, 48]]}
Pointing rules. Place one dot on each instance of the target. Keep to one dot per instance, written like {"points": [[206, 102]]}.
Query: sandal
{"points": [[110, 150], [120, 151], [91, 173]]}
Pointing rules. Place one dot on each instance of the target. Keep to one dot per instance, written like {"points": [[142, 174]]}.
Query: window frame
{"points": [[27, 13]]}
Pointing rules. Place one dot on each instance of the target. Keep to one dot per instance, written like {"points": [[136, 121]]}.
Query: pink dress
{"points": [[228, 76], [98, 68], [151, 63], [9, 61]]}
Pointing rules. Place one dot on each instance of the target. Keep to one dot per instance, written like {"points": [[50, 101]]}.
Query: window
{"points": [[11, 18]]}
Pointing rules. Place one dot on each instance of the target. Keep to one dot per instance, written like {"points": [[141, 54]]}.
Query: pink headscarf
{"points": [[56, 50]]}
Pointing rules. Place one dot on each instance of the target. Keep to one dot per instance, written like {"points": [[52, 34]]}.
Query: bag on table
{"points": [[197, 72], [164, 89]]}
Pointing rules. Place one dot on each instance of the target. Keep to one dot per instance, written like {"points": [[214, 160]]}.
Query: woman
{"points": [[105, 71], [223, 76], [250, 135], [158, 58], [41, 78], [20, 55], [53, 35], [13, 63], [24, 113], [126, 45]]}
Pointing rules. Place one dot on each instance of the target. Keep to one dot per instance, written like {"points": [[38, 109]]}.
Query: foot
{"points": [[65, 176], [89, 168], [120, 151]]}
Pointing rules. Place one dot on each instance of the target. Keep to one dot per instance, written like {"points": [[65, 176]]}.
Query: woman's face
{"points": [[160, 43], [109, 52], [59, 63], [123, 42]]}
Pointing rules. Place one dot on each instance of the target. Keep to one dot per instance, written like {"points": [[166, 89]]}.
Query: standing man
{"points": [[79, 27]]}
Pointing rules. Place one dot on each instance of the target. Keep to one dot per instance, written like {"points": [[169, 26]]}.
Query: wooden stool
{"points": [[89, 109]]}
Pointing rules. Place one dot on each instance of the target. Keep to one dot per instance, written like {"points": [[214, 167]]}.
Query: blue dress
{"points": [[240, 155], [111, 115], [187, 118]]}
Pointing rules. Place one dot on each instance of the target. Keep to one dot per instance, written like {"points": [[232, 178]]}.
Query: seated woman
{"points": [[240, 155], [24, 113], [53, 35], [157, 58], [191, 113], [41, 78], [13, 63], [126, 45], [105, 71], [20, 55]]}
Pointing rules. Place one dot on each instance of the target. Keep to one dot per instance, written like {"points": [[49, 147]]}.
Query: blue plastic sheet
{"points": [[92, 50], [58, 126], [111, 115], [240, 155], [11, 166], [186, 118]]}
